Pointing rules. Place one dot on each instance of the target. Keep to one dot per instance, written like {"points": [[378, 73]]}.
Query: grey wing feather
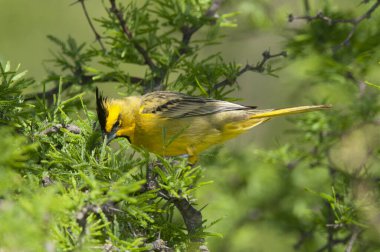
{"points": [[177, 105]]}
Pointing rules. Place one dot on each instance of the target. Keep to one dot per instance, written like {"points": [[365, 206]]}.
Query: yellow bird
{"points": [[173, 124]]}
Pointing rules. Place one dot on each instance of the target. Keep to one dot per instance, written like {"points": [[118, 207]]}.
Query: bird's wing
{"points": [[177, 105]]}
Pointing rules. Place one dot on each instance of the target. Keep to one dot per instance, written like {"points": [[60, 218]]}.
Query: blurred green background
{"points": [[238, 194]]}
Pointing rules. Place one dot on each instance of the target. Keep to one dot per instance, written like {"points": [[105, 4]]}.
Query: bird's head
{"points": [[113, 119]]}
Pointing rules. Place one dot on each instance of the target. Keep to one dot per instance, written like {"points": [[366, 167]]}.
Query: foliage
{"points": [[12, 84], [63, 188], [77, 193]]}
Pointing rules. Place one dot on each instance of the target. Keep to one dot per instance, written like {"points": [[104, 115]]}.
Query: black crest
{"points": [[101, 109]]}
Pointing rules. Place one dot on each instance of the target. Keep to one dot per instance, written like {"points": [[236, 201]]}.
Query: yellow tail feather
{"points": [[288, 111]]}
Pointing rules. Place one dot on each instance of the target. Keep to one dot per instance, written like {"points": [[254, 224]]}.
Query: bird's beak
{"points": [[110, 136]]}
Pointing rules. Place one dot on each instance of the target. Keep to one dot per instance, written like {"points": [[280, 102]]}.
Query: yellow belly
{"points": [[189, 135]]}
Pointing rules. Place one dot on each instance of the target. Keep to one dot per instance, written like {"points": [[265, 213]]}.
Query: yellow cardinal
{"points": [[173, 124]]}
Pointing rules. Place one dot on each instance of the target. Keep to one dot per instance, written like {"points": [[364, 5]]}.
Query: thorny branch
{"points": [[354, 21], [259, 67], [98, 38]]}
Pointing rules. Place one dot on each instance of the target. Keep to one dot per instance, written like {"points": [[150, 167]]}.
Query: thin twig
{"points": [[307, 6], [98, 38], [330, 231], [187, 34], [318, 16], [354, 21], [335, 225], [214, 7], [259, 67], [304, 235], [355, 233], [328, 246], [119, 15]]}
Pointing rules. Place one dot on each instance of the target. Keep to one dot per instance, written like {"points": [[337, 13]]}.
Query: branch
{"points": [[191, 216], [188, 32], [158, 245], [307, 6], [304, 235], [319, 16], [108, 208], [97, 36], [333, 242], [119, 15], [355, 233], [259, 67], [56, 128], [46, 181], [330, 21]]}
